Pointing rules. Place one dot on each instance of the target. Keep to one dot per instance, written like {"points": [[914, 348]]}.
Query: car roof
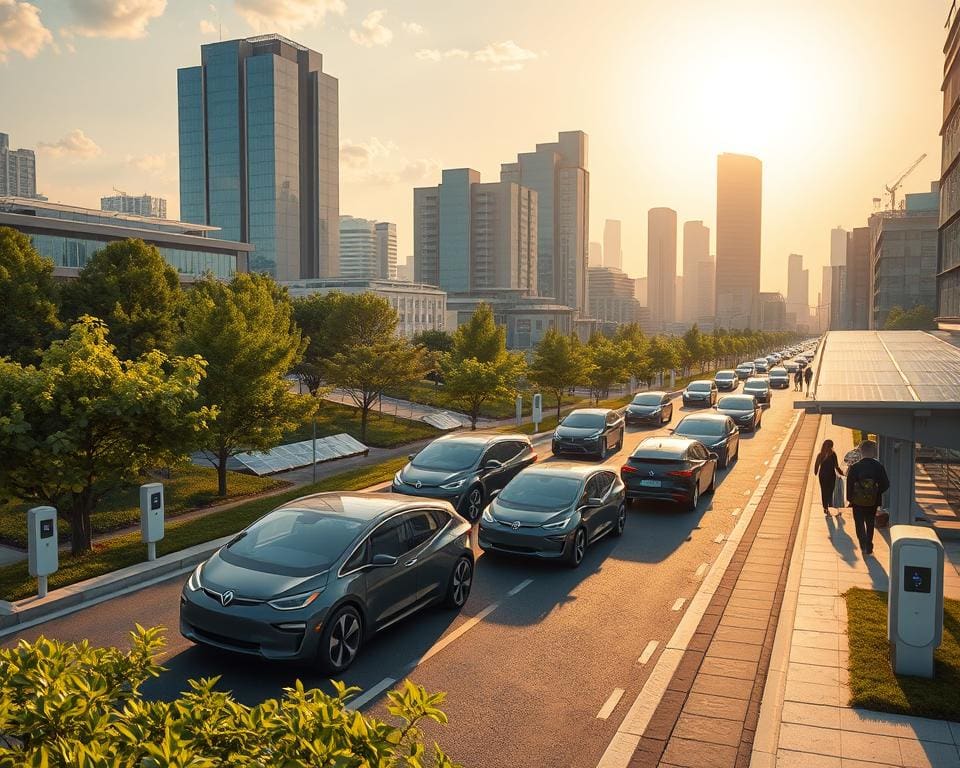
{"points": [[591, 411], [703, 417], [665, 444], [778, 369], [708, 382], [758, 379], [361, 507], [738, 398], [726, 370], [651, 392], [564, 468], [480, 438]]}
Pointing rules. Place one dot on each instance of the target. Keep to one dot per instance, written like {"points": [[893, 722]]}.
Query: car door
{"points": [[667, 403], [495, 479], [733, 441], [391, 590], [432, 562], [699, 457], [591, 517], [606, 483], [518, 455]]}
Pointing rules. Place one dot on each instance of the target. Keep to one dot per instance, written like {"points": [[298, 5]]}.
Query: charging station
{"points": [[537, 411], [43, 545], [151, 516], [915, 599]]}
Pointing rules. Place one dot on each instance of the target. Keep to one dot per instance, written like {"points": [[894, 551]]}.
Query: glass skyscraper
{"points": [[259, 153]]}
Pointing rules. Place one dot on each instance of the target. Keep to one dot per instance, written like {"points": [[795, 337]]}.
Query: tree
{"points": [[919, 318], [559, 363], [434, 341], [609, 365], [480, 337], [245, 331], [365, 372], [84, 422], [470, 383], [129, 286], [636, 349], [64, 705], [663, 354], [28, 297]]}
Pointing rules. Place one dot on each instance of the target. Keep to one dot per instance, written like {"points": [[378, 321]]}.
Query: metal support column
{"points": [[901, 474], [886, 457]]}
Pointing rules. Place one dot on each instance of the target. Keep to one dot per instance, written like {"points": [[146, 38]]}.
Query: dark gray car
{"points": [[465, 469], [311, 580], [743, 409], [716, 432], [589, 431], [554, 511]]}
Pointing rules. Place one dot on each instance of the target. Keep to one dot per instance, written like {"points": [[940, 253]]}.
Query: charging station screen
{"points": [[916, 579]]}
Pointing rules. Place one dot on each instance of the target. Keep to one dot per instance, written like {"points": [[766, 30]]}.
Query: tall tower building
{"points": [[612, 247], [706, 290], [838, 247], [557, 172], [141, 205], [798, 289], [739, 192], [662, 266], [259, 152], [595, 255], [387, 250], [18, 170], [696, 249]]}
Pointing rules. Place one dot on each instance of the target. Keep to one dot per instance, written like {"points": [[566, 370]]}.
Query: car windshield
{"points": [[540, 490], [647, 399], [699, 386], [584, 420], [736, 403], [293, 542], [756, 384], [712, 427], [723, 375], [449, 455]]}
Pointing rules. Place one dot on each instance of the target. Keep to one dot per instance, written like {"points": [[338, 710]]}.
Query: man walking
{"points": [[867, 481], [798, 380], [808, 377]]}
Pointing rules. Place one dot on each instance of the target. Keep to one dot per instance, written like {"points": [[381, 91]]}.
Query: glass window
{"points": [[540, 490], [449, 455], [359, 558], [421, 527], [708, 427], [390, 538], [648, 399], [584, 420]]}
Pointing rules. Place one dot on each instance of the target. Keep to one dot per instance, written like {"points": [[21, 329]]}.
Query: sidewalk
{"points": [[806, 720]]}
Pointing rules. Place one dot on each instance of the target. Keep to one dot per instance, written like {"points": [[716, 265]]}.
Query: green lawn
{"points": [[426, 393], [15, 582], [186, 489], [872, 682], [383, 430]]}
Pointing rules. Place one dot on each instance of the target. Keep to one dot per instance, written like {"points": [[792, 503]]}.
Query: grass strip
{"points": [[384, 430], [874, 686], [123, 551]]}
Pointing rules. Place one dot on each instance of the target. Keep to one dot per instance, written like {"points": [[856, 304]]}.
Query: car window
{"points": [[440, 516], [665, 400], [591, 489], [421, 526], [502, 452], [390, 538], [359, 558], [604, 483]]}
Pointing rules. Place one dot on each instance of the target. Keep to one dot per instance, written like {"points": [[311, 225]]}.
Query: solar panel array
{"points": [[294, 455], [442, 420]]}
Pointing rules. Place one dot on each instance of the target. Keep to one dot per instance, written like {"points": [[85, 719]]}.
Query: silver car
{"points": [[314, 578]]}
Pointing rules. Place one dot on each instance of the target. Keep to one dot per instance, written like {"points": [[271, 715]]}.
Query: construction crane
{"points": [[892, 188], [119, 191]]}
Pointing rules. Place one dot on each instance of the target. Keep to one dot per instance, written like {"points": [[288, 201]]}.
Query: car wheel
{"points": [[621, 520], [341, 640], [695, 499], [461, 579], [473, 504], [713, 484], [578, 548]]}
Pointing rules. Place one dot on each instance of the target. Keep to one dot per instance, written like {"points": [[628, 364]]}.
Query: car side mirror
{"points": [[493, 493], [593, 502], [714, 456], [671, 431], [493, 464], [383, 561], [411, 456]]}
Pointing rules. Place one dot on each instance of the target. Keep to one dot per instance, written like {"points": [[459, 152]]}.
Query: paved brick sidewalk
{"points": [[708, 716], [810, 723]]}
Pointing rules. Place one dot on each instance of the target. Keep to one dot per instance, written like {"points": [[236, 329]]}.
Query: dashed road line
{"points": [[370, 694], [719, 539], [736, 511], [522, 585], [611, 704], [702, 570], [648, 652], [679, 604], [747, 492], [757, 477]]}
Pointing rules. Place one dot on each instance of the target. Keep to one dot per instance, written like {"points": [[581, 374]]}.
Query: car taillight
{"points": [[681, 473], [628, 469]]}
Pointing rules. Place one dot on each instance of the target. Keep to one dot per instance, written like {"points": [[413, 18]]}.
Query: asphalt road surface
{"points": [[543, 662]]}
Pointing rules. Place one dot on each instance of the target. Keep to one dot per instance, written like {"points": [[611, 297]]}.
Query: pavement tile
{"points": [[815, 624], [708, 705], [787, 758], [697, 754], [810, 714], [812, 693], [870, 747], [746, 622], [749, 603], [719, 685], [740, 635], [848, 763], [812, 639], [711, 730], [742, 670], [808, 738], [823, 657], [665, 716], [927, 754], [919, 728], [730, 650], [813, 673], [747, 613]]}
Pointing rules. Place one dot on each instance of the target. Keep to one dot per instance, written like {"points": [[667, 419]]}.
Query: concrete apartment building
{"points": [[739, 196], [612, 246], [798, 292], [948, 266], [139, 205], [18, 170], [696, 250], [858, 279], [595, 254], [368, 248], [662, 266], [773, 312], [613, 298], [260, 152]]}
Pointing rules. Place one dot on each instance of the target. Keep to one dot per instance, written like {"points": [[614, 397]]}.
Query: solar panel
{"points": [[294, 455]]}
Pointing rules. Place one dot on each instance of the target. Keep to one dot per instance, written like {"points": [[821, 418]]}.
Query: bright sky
{"points": [[836, 97]]}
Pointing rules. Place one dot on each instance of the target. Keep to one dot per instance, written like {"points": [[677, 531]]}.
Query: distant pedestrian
{"points": [[826, 468], [867, 481], [808, 377], [798, 380]]}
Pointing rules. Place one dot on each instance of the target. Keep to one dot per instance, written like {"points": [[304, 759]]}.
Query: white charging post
{"points": [[537, 411], [519, 410], [915, 599], [43, 545], [151, 516]]}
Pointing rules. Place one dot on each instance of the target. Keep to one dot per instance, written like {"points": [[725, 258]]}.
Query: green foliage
{"points": [[663, 353], [129, 286], [64, 704], [560, 363], [919, 318], [246, 333], [85, 423], [480, 337], [28, 297], [635, 347], [610, 365], [434, 341]]}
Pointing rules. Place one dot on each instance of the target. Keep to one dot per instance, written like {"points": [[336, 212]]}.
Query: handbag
{"points": [[882, 520], [839, 502]]}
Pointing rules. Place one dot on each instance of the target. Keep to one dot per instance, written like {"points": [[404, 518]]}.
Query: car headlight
{"points": [[488, 515], [557, 525], [294, 602], [454, 485], [592, 438], [193, 583], [397, 480]]}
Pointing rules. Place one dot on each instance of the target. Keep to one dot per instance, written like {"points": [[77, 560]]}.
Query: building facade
{"points": [[706, 292], [662, 266], [69, 236], [612, 245], [140, 205], [405, 271], [18, 170], [471, 236], [259, 152], [526, 319], [595, 255], [419, 307], [558, 173], [948, 267], [368, 249], [613, 298], [858, 279], [387, 249], [696, 250], [773, 312], [739, 195], [798, 292]]}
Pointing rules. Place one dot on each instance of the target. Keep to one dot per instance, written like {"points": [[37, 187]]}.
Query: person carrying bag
{"points": [[827, 468], [867, 481]]}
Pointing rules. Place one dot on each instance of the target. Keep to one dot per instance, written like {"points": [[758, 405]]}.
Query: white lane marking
{"points": [[367, 696], [757, 477], [522, 585], [736, 511], [611, 704], [719, 539], [747, 492], [701, 570], [679, 604], [648, 652], [766, 463], [444, 641]]}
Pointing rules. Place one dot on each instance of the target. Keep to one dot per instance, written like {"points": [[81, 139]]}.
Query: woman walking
{"points": [[827, 468]]}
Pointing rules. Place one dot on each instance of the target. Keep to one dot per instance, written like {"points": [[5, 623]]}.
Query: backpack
{"points": [[865, 492]]}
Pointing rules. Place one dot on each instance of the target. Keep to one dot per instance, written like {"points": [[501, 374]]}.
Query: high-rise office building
{"points": [[739, 193], [358, 248], [948, 267], [140, 205], [679, 288], [826, 294], [259, 152], [613, 299], [387, 249], [558, 173], [641, 292], [470, 237], [405, 271], [773, 312], [706, 292], [858, 279], [595, 255], [838, 247], [612, 246], [798, 291], [662, 266], [18, 170], [696, 249]]}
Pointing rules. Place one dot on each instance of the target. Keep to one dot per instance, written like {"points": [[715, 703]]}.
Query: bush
{"points": [[63, 704]]}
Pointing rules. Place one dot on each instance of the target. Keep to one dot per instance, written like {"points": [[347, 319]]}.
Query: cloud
{"points": [[504, 57], [359, 155], [379, 163], [155, 164], [76, 145], [412, 28], [123, 19], [287, 15], [21, 30], [207, 28], [372, 32]]}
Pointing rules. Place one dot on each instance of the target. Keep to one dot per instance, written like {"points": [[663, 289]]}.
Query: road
{"points": [[533, 665]]}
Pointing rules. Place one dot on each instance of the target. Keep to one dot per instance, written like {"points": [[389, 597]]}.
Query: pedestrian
{"points": [[867, 481], [798, 380], [826, 468], [808, 377]]}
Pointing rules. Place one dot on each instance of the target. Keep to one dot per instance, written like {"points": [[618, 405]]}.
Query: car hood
{"points": [[734, 414], [507, 513], [577, 432], [710, 441], [429, 477], [219, 576], [695, 393], [635, 408]]}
